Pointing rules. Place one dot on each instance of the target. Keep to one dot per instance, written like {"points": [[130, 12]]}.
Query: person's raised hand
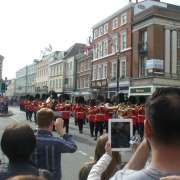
{"points": [[108, 148], [59, 125]]}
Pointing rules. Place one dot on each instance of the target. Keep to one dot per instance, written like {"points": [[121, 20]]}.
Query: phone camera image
{"points": [[120, 134]]}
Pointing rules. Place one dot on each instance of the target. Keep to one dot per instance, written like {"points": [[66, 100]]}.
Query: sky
{"points": [[28, 26]]}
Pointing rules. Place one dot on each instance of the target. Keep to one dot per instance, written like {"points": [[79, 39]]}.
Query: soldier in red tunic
{"points": [[80, 113], [92, 110]]}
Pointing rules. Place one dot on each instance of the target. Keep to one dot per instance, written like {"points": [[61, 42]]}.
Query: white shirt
{"points": [[101, 166]]}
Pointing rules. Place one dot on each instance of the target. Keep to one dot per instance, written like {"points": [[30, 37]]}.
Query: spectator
{"points": [[162, 131], [47, 154], [28, 177], [18, 142], [115, 163]]}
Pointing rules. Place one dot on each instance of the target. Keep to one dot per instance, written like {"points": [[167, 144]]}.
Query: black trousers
{"points": [[80, 125], [28, 115], [106, 126], [91, 125], [98, 128], [141, 129], [66, 125], [35, 120]]}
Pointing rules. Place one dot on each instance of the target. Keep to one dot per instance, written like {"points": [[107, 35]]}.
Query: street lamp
{"points": [[117, 69]]}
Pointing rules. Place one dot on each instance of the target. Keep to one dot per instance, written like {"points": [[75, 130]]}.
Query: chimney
{"points": [[130, 1], [157, 0], [136, 1]]}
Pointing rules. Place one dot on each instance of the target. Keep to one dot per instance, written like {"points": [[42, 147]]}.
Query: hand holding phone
{"points": [[108, 148]]}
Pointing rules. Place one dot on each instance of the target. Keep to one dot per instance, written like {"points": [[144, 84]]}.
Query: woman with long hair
{"points": [[114, 165]]}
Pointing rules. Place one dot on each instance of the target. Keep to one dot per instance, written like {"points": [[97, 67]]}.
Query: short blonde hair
{"points": [[45, 117]]}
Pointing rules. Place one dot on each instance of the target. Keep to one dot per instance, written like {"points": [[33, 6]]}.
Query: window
{"points": [[53, 84], [60, 69], [99, 50], [178, 40], [105, 71], [115, 43], [57, 69], [86, 85], [123, 40], [123, 18], [115, 23], [144, 40], [57, 83], [95, 52], [101, 30], [70, 66], [100, 71], [96, 33], [114, 70], [94, 72], [105, 47], [122, 69], [106, 28]]}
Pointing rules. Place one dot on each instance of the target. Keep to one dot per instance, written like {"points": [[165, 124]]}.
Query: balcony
{"points": [[143, 47]]}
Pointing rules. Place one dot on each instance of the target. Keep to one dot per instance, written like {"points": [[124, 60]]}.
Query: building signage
{"points": [[140, 90], [155, 64]]}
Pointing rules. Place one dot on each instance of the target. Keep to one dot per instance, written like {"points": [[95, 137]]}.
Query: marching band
{"points": [[97, 115]]}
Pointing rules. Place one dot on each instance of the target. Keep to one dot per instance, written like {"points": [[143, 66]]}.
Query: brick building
{"points": [[112, 41], [156, 47], [83, 70]]}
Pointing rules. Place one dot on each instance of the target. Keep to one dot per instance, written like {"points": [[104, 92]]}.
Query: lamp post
{"points": [[117, 69]]}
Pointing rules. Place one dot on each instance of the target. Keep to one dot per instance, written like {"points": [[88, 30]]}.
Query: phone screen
{"points": [[120, 135]]}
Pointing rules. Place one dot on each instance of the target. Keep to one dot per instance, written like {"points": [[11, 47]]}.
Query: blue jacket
{"points": [[47, 154]]}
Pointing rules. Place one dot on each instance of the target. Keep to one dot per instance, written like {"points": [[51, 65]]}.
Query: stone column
{"points": [[174, 52], [167, 50]]}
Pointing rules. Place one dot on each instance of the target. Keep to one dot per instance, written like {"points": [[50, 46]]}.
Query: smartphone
{"points": [[120, 133]]}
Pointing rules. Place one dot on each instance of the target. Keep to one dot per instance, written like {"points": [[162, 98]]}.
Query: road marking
{"points": [[83, 153]]}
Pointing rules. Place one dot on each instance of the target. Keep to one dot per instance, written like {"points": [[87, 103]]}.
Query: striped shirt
{"points": [[47, 154]]}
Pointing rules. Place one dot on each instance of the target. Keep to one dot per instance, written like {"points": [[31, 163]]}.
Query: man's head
{"points": [[163, 117], [18, 142], [45, 118]]}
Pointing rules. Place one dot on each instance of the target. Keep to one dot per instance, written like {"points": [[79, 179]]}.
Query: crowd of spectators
{"points": [[38, 155]]}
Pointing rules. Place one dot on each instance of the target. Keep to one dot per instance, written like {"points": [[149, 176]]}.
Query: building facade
{"points": [[112, 53], [21, 81], [156, 47], [83, 73], [70, 69], [56, 73], [43, 72], [31, 76]]}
